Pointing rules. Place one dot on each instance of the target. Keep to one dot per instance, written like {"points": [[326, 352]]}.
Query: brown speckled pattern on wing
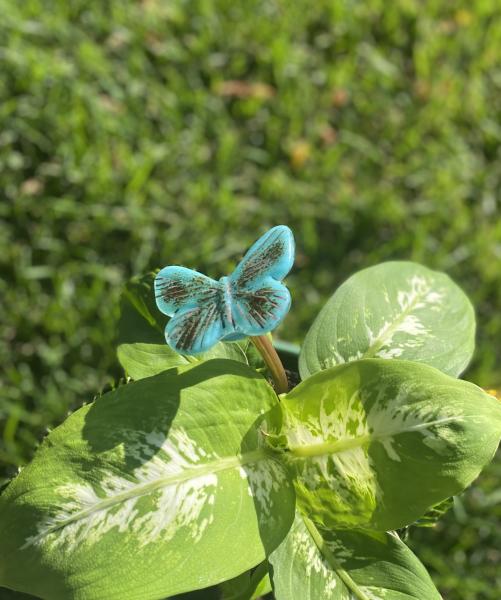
{"points": [[178, 292], [260, 262], [191, 327]]}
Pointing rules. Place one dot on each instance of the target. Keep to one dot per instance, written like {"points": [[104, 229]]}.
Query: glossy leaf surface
{"points": [[375, 443], [251, 585], [393, 310], [147, 492], [347, 565], [144, 360]]}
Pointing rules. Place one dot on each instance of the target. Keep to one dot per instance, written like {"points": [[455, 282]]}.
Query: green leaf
{"points": [[248, 586], [144, 360], [6, 594], [393, 310], [140, 320], [435, 513], [375, 443], [311, 564], [148, 491]]}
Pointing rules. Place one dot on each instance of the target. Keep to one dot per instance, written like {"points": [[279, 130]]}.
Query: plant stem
{"points": [[271, 358]]}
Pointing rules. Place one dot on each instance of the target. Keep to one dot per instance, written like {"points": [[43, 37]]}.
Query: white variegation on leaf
{"points": [[375, 443], [148, 492], [393, 310], [347, 565]]}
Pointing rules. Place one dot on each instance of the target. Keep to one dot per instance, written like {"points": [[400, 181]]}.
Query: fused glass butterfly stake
{"points": [[250, 302]]}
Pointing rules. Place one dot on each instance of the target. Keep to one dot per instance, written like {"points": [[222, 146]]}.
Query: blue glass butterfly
{"points": [[251, 301]]}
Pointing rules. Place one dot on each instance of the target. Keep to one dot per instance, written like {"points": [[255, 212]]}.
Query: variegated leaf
{"points": [[347, 565], [393, 310], [160, 487], [375, 443]]}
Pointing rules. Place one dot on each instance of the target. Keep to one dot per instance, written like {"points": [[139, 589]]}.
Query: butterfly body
{"points": [[250, 301], [226, 285]]}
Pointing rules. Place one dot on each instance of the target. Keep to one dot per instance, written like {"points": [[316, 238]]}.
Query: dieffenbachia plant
{"points": [[201, 472]]}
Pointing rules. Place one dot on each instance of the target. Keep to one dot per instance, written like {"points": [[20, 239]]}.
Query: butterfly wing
{"points": [[272, 255], [259, 309], [197, 307], [195, 330], [259, 300]]}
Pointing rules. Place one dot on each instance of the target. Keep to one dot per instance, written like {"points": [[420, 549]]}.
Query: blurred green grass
{"points": [[138, 134]]}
